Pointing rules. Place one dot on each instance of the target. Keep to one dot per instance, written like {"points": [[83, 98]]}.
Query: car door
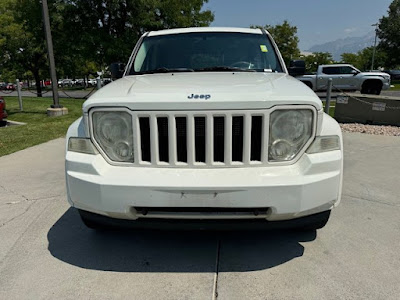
{"points": [[326, 73], [348, 80]]}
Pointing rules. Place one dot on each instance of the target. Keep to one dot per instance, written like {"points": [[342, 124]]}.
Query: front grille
{"points": [[222, 139], [202, 139]]}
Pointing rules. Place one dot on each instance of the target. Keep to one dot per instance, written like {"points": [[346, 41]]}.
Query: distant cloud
{"points": [[350, 30]]}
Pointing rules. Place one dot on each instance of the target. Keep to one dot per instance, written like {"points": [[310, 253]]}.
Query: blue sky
{"points": [[318, 21]]}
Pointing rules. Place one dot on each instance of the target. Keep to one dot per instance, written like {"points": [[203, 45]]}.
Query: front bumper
{"points": [[310, 186], [386, 86]]}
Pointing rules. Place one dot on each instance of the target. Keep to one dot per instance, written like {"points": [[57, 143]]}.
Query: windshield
{"points": [[206, 51]]}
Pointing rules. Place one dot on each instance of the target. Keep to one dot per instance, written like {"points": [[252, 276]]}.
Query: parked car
{"points": [[92, 82], [3, 85], [194, 135], [348, 78], [11, 87], [79, 82], [394, 74], [105, 81], [3, 112], [67, 82]]}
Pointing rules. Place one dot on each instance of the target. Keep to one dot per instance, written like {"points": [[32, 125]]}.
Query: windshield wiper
{"points": [[224, 68], [164, 70]]}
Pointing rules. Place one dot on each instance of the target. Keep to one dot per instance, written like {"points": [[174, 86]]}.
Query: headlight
{"points": [[289, 131], [113, 132]]}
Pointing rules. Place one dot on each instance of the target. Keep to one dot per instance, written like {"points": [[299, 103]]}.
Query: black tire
{"points": [[318, 221], [371, 88]]}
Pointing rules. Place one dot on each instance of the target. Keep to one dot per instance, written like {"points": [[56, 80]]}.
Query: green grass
{"points": [[39, 128], [396, 84], [331, 109]]}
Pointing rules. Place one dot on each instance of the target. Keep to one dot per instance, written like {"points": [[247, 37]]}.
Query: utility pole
{"points": [[50, 52], [373, 53]]}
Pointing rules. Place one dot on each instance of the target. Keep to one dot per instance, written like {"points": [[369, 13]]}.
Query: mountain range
{"points": [[345, 45]]}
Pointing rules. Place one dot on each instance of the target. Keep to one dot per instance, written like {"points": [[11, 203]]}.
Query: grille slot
{"points": [[200, 139], [237, 139], [256, 138], [181, 139], [163, 151], [145, 138], [219, 137]]}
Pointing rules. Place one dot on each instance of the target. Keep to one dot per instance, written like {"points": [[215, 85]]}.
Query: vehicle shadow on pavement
{"points": [[171, 251]]}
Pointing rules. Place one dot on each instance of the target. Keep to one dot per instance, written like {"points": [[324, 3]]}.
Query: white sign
{"points": [[342, 99], [379, 106]]}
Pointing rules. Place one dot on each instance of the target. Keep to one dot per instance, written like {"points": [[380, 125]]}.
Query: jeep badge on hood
{"points": [[195, 96]]}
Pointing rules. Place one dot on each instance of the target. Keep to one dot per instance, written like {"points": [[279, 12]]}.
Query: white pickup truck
{"points": [[207, 129], [347, 78]]}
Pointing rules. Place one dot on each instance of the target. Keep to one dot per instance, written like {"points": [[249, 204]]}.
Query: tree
{"points": [[22, 39], [352, 59], [286, 38], [389, 33], [363, 59], [86, 32], [317, 58], [105, 31]]}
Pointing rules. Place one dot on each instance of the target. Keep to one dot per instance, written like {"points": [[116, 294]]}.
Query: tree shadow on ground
{"points": [[171, 251]]}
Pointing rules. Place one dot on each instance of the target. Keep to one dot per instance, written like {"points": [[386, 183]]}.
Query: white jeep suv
{"points": [[205, 128]]}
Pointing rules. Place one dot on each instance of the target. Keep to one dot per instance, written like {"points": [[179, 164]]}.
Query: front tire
{"points": [[371, 88]]}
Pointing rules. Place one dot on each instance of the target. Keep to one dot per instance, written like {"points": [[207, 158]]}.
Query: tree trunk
{"points": [[38, 83]]}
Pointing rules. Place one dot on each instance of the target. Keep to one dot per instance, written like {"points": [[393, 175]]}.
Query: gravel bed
{"points": [[371, 129]]}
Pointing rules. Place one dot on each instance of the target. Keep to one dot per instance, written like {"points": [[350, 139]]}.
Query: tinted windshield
{"points": [[206, 51]]}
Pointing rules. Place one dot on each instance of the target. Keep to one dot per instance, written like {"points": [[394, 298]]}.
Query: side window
{"points": [[140, 58], [346, 70], [330, 70]]}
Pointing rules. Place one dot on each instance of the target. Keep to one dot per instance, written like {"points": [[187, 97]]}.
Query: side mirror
{"points": [[117, 70], [354, 72], [297, 67]]}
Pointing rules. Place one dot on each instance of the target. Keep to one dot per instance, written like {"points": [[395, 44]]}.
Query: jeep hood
{"points": [[227, 90]]}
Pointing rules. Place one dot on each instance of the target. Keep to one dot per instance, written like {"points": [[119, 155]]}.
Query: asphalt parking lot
{"points": [[46, 252]]}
